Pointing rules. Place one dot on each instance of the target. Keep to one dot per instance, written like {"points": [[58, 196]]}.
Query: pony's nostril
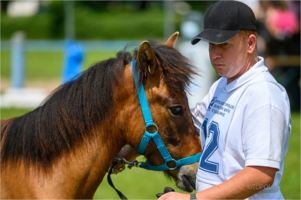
{"points": [[190, 180], [184, 184]]}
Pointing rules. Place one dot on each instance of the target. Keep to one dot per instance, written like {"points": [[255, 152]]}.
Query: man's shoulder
{"points": [[265, 84], [266, 91]]}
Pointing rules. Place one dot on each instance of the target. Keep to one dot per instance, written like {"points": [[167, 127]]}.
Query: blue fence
{"points": [[88, 45]]}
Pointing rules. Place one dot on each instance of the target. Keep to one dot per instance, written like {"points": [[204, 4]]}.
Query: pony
{"points": [[63, 148]]}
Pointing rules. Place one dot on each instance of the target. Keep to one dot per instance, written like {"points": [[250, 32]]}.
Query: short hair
{"points": [[244, 34]]}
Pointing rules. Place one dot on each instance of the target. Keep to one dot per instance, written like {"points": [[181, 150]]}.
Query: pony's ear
{"points": [[147, 58], [172, 39]]}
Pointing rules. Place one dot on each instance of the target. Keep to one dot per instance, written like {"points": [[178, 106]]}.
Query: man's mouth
{"points": [[218, 65]]}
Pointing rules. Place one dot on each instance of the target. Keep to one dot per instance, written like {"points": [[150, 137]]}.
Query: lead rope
{"points": [[111, 183], [131, 164]]}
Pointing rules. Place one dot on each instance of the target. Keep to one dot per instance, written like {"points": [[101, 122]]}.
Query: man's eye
{"points": [[176, 110]]}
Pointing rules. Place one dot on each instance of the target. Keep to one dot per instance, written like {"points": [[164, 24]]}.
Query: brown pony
{"points": [[63, 148]]}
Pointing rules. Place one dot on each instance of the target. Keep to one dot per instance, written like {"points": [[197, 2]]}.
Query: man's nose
{"points": [[215, 52]]}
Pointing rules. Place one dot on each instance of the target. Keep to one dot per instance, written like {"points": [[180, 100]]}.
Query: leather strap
{"points": [[111, 183]]}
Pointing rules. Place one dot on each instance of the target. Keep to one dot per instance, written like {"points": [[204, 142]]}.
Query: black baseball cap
{"points": [[223, 20]]}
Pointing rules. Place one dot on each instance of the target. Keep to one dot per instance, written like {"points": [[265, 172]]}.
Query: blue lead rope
{"points": [[155, 136]]}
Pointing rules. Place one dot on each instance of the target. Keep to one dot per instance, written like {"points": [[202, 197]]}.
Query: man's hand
{"points": [[174, 195], [246, 183]]}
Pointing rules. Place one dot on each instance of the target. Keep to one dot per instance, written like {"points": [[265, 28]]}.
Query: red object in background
{"points": [[286, 22]]}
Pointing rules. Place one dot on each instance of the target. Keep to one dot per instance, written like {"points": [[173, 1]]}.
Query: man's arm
{"points": [[244, 184]]}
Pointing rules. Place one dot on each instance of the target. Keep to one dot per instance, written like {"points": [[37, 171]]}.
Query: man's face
{"points": [[229, 59]]}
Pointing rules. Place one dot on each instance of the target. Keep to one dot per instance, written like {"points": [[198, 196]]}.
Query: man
{"points": [[244, 121]]}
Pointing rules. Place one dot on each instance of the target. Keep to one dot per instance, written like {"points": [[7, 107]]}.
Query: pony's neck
{"points": [[82, 171], [78, 173], [89, 163]]}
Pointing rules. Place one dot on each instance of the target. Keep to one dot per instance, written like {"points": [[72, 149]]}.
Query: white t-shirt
{"points": [[244, 123]]}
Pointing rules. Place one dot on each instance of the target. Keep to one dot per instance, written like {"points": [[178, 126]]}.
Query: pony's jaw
{"points": [[185, 177]]}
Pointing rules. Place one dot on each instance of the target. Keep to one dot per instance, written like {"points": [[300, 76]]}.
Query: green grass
{"points": [[143, 184], [48, 65], [290, 183], [135, 184], [12, 112]]}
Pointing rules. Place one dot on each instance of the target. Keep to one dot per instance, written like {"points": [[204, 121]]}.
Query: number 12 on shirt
{"points": [[205, 163]]}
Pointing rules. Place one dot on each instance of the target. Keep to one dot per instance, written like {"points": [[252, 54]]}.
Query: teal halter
{"points": [[155, 136]]}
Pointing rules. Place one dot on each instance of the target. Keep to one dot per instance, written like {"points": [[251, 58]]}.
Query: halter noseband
{"points": [[155, 136]]}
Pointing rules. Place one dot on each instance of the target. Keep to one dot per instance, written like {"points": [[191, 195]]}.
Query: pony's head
{"points": [[165, 75]]}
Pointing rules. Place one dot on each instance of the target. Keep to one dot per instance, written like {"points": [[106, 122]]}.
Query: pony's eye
{"points": [[176, 110]]}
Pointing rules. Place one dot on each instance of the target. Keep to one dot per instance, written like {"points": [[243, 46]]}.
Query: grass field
{"points": [[142, 184], [48, 65]]}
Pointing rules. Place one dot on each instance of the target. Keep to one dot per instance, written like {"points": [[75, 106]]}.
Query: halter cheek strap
{"points": [[155, 136], [142, 98], [148, 122]]}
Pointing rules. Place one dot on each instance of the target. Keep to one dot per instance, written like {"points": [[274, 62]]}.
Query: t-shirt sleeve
{"points": [[263, 133]]}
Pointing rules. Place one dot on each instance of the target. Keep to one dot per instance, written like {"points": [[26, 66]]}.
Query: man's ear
{"points": [[147, 58], [252, 43], [172, 39]]}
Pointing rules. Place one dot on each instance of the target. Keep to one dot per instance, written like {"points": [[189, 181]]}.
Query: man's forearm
{"points": [[246, 183]]}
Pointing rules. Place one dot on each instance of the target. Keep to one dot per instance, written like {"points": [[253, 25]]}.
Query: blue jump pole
{"points": [[74, 52], [74, 55], [17, 60]]}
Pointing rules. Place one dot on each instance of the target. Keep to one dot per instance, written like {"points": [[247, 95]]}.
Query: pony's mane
{"points": [[69, 115]]}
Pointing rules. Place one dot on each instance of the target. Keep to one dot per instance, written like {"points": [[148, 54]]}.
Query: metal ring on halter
{"points": [[172, 168], [150, 126]]}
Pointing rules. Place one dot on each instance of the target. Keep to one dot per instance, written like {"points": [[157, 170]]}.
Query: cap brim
{"points": [[214, 36]]}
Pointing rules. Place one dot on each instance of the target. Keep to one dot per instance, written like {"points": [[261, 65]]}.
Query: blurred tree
{"points": [[99, 6], [200, 5], [56, 11], [96, 6], [4, 5]]}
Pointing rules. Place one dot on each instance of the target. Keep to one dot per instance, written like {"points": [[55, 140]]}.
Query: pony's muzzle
{"points": [[187, 177]]}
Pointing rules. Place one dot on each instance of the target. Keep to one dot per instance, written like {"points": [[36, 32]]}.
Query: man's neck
{"points": [[250, 63]]}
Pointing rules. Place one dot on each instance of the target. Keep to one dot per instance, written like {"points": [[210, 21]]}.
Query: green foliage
{"points": [[37, 27], [120, 26], [89, 24], [143, 184]]}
